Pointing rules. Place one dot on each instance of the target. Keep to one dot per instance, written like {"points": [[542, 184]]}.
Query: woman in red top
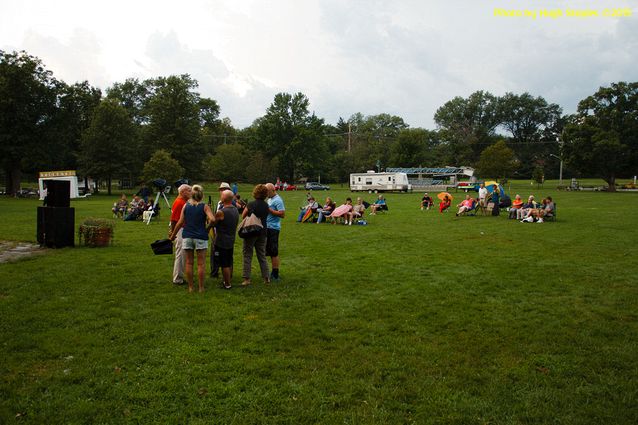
{"points": [[445, 204]]}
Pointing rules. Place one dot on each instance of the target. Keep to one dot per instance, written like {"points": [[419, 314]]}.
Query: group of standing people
{"points": [[192, 220]]}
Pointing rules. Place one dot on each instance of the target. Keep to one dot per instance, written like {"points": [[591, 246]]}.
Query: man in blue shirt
{"points": [[276, 212]]}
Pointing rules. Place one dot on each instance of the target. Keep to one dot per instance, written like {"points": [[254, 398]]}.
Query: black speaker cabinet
{"points": [[56, 227], [58, 193]]}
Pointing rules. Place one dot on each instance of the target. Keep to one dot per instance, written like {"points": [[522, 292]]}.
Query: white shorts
{"points": [[192, 243]]}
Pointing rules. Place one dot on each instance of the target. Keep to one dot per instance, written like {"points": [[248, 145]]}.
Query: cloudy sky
{"points": [[403, 57]]}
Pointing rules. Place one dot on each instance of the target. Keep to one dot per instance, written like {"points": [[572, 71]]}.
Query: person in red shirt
{"points": [[176, 211], [445, 204]]}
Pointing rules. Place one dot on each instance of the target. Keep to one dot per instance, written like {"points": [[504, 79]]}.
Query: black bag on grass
{"points": [[162, 247]]}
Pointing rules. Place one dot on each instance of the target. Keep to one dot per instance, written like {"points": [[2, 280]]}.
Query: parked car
{"points": [[279, 187], [316, 186], [468, 187]]}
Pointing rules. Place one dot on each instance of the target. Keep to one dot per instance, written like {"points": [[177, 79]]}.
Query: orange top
{"points": [[176, 209], [517, 204]]}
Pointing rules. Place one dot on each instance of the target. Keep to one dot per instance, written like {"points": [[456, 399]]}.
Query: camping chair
{"points": [[472, 211], [551, 217], [309, 216]]}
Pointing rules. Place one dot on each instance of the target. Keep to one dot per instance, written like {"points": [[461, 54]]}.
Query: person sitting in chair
{"points": [[342, 211], [445, 203], [426, 202], [327, 209], [466, 205], [311, 206], [119, 208], [378, 205], [527, 207], [357, 210], [547, 208], [136, 209], [517, 204]]}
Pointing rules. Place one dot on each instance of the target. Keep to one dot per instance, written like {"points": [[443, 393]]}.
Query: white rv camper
{"points": [[68, 175], [379, 182]]}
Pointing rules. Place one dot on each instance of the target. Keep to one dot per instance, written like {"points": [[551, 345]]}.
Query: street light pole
{"points": [[560, 172]]}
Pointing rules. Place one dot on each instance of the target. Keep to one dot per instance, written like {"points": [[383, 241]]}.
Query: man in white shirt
{"points": [[482, 194]]}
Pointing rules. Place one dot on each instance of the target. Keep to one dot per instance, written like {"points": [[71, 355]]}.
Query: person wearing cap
{"points": [[312, 204], [426, 202]]}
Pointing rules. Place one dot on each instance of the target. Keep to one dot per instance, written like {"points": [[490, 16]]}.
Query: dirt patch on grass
{"points": [[14, 251]]}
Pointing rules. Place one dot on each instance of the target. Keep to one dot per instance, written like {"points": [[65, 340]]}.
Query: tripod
{"points": [[157, 197]]}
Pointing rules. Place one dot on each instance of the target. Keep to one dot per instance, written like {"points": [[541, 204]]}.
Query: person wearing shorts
{"points": [[276, 211], [194, 236]]}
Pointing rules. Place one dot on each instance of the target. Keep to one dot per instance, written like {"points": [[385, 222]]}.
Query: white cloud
{"points": [[403, 57]]}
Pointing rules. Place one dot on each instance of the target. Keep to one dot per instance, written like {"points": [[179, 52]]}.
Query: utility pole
{"points": [[560, 151], [349, 136]]}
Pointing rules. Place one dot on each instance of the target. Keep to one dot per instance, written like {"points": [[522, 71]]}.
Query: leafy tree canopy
{"points": [[602, 138]]}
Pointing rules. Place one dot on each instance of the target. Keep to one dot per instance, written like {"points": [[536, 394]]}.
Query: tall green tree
{"points": [[497, 161], [415, 147], [28, 104], [468, 125], [107, 143], [534, 125], [76, 104], [133, 95], [602, 138], [174, 121], [228, 164], [372, 138], [161, 165], [293, 136]]}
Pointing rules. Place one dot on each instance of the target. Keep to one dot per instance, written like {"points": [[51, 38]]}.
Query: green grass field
{"points": [[418, 317]]}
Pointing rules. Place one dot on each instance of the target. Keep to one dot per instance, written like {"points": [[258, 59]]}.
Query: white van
{"points": [[379, 182]]}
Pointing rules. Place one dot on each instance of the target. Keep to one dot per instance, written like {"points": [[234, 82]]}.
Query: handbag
{"points": [[162, 247], [250, 226]]}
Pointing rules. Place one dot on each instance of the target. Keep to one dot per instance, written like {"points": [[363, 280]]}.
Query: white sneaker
{"points": [[350, 224]]}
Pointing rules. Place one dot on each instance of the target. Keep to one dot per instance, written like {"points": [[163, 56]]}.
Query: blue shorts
{"points": [[192, 243]]}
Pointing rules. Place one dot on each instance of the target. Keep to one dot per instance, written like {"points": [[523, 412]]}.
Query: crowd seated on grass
{"points": [[539, 213], [120, 207], [379, 205], [135, 209], [527, 212]]}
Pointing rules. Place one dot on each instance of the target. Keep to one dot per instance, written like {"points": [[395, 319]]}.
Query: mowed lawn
{"points": [[418, 317]]}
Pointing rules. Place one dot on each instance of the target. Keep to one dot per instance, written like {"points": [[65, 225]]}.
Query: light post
{"points": [[560, 172]]}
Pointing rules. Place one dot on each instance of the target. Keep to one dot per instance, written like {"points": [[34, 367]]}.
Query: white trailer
{"points": [[68, 175], [379, 182]]}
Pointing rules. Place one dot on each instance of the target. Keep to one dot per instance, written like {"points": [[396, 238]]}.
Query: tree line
{"points": [[140, 130]]}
